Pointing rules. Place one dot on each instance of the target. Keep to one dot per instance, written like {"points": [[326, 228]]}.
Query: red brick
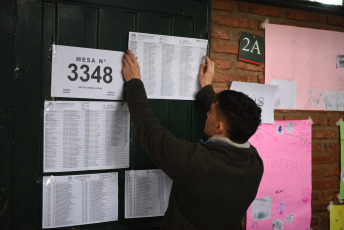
{"points": [[325, 220], [228, 78], [244, 78], [260, 25], [243, 7], [249, 78], [332, 121], [225, 48], [318, 120], [315, 220], [286, 111], [259, 9], [261, 79], [316, 159], [316, 147], [221, 77], [278, 118], [324, 184], [298, 15], [319, 208], [221, 5], [216, 33], [222, 64], [332, 147], [323, 134], [250, 67], [233, 22], [315, 196], [330, 196], [335, 20], [322, 171], [296, 117], [218, 89], [331, 171], [315, 172]]}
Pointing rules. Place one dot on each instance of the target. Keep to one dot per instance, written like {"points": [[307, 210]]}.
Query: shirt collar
{"points": [[228, 141]]}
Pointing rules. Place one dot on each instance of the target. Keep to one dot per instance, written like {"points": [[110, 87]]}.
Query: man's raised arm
{"points": [[206, 95]]}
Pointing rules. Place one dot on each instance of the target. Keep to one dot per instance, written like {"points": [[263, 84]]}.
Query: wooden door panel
{"points": [[101, 24]]}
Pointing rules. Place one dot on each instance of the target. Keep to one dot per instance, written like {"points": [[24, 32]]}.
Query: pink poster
{"points": [[312, 60], [283, 200]]}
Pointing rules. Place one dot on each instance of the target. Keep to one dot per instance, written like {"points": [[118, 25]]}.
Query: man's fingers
{"points": [[207, 59], [210, 63], [201, 70], [132, 56], [130, 53], [125, 60]]}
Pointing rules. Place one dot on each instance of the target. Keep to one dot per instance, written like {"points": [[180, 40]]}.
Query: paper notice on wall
{"points": [[337, 217], [261, 208], [285, 97], [263, 95], [341, 191], [85, 135], [86, 73], [311, 57], [340, 61], [333, 101], [169, 65], [283, 200], [79, 199], [146, 193]]}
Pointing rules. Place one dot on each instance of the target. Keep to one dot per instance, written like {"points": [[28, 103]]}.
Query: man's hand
{"points": [[206, 72], [131, 68]]}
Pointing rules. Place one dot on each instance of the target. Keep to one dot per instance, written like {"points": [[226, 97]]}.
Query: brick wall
{"points": [[228, 20]]}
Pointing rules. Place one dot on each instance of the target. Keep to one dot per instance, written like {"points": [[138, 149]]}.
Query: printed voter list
{"points": [[169, 65], [86, 73], [85, 135], [79, 199]]}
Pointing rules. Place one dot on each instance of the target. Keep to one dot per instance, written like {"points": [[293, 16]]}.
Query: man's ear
{"points": [[221, 128]]}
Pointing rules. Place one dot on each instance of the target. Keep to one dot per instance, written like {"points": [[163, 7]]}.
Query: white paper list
{"points": [[146, 193], [79, 199], [169, 65], [85, 135]]}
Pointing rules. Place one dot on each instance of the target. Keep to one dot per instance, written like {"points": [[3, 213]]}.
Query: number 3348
{"points": [[86, 76]]}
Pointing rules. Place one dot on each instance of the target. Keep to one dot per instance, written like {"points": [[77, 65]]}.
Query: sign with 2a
{"points": [[251, 48]]}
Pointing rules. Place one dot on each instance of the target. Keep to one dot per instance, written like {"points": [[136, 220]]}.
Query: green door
{"points": [[28, 30]]}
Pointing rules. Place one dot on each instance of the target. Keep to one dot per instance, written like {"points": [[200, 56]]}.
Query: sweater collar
{"points": [[228, 141]]}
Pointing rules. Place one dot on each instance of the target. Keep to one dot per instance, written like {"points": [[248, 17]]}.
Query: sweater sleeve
{"points": [[206, 96], [172, 155]]}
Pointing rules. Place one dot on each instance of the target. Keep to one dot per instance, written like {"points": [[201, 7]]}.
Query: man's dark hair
{"points": [[241, 113]]}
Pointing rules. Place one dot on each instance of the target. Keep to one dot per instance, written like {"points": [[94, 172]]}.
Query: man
{"points": [[214, 182]]}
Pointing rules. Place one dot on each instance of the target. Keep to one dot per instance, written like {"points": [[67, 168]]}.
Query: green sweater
{"points": [[213, 184]]}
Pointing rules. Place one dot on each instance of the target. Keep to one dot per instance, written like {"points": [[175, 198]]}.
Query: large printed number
{"points": [[248, 42], [107, 74], [72, 65], [85, 72], [96, 74], [107, 77]]}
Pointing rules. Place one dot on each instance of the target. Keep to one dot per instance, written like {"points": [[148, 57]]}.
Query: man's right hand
{"points": [[131, 68], [206, 72]]}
